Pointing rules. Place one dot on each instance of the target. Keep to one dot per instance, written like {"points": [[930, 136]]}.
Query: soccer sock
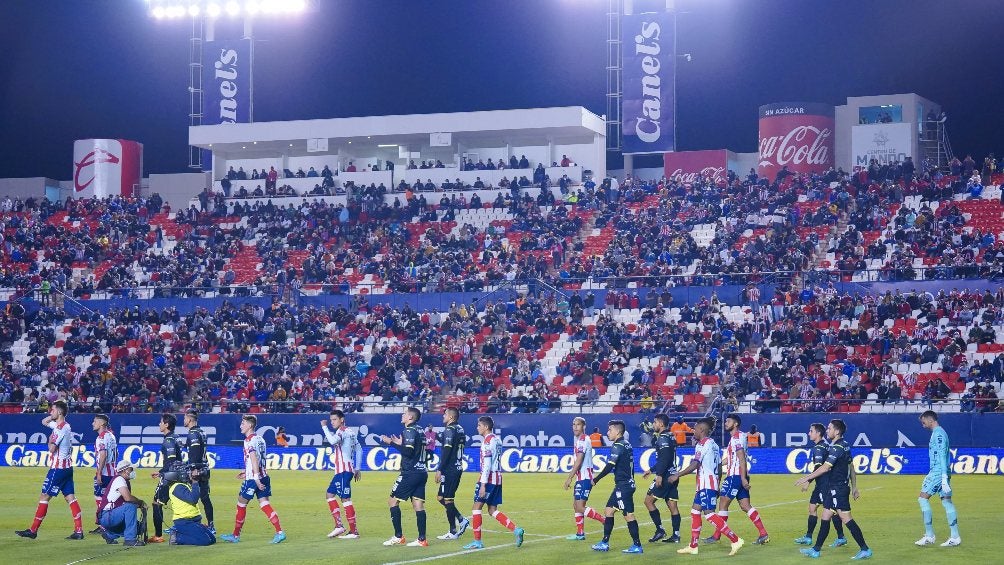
{"points": [[925, 511], [953, 517], [590, 513], [608, 528], [476, 523], [633, 530], [78, 526], [97, 509], [504, 520], [395, 520], [420, 519], [719, 522], [755, 518], [158, 520], [350, 516], [812, 525], [838, 525], [656, 518], [676, 523], [725, 518], [824, 530], [242, 512], [580, 528], [266, 508], [335, 512], [695, 527], [856, 532], [40, 511]]}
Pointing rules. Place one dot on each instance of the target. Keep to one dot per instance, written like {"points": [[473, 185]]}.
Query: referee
{"points": [[198, 462]]}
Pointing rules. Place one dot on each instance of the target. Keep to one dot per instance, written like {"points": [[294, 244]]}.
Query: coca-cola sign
{"points": [[687, 166], [797, 135]]}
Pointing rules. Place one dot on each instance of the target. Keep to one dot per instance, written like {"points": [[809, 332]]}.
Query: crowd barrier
{"points": [[867, 461]]}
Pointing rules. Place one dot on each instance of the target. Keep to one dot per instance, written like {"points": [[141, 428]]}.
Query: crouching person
{"points": [[184, 494], [119, 506]]}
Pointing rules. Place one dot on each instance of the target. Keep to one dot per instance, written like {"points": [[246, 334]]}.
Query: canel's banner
{"points": [[872, 431], [686, 166], [895, 461], [227, 82], [882, 143], [798, 135], [648, 67], [106, 167]]}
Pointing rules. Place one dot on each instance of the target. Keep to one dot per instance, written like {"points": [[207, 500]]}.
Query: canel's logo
{"points": [[85, 164]]}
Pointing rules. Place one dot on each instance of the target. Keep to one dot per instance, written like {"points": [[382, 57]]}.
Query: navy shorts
{"points": [[249, 489], [622, 498], [58, 481], [732, 487], [410, 486], [341, 485], [582, 489], [492, 497], [838, 498], [706, 499], [99, 487], [451, 482]]}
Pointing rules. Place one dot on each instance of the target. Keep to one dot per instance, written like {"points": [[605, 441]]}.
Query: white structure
{"points": [[886, 128], [543, 135]]}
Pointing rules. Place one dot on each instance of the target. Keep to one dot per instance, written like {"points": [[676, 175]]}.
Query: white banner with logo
{"points": [[885, 143]]}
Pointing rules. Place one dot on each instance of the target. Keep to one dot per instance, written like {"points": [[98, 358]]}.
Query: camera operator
{"points": [[118, 507], [183, 496]]}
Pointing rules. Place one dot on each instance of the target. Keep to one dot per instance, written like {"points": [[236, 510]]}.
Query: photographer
{"points": [[118, 507], [184, 493]]}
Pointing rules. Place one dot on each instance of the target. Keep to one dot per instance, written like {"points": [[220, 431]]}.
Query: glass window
{"points": [[887, 114]]}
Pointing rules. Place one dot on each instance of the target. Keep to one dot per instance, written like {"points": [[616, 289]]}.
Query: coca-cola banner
{"points": [[106, 167], [882, 143], [798, 135], [686, 166], [648, 69], [228, 84]]}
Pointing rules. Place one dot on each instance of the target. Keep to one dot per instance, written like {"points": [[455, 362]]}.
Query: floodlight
{"points": [[176, 11], [251, 8], [159, 12], [296, 6], [193, 10], [213, 10], [270, 6], [233, 8]]}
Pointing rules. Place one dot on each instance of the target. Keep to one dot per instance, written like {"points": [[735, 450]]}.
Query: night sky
{"points": [[103, 68]]}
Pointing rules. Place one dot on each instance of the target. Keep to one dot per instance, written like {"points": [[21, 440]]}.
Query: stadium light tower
{"points": [[203, 15]]}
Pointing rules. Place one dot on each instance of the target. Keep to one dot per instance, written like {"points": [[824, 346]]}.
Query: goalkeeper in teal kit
{"points": [[938, 481]]}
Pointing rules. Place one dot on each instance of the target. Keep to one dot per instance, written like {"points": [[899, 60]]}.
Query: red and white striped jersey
{"points": [[346, 453], [106, 442], [710, 457], [254, 444], [733, 452], [584, 445], [62, 438], [491, 461]]}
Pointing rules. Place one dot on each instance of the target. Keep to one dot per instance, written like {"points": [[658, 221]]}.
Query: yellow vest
{"points": [[180, 508]]}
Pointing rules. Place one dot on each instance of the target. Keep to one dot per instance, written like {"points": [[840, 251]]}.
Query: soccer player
{"points": [[410, 484], [937, 481], [60, 475], [661, 488], [107, 459], [736, 485], [346, 458], [707, 459], [256, 483], [841, 483], [817, 434], [451, 468], [170, 451], [621, 462], [198, 462], [489, 488], [582, 474]]}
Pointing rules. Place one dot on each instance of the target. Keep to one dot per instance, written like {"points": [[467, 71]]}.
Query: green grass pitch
{"points": [[887, 512]]}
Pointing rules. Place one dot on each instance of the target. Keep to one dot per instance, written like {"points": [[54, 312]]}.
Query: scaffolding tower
{"points": [[614, 87]]}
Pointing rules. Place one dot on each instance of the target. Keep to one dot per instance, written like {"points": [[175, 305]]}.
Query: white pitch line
{"points": [[551, 538]]}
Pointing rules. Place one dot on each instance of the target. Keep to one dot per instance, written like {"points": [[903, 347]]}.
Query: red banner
{"points": [[686, 166], [797, 135]]}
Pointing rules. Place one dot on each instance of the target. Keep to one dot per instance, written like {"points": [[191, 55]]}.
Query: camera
{"points": [[177, 474]]}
